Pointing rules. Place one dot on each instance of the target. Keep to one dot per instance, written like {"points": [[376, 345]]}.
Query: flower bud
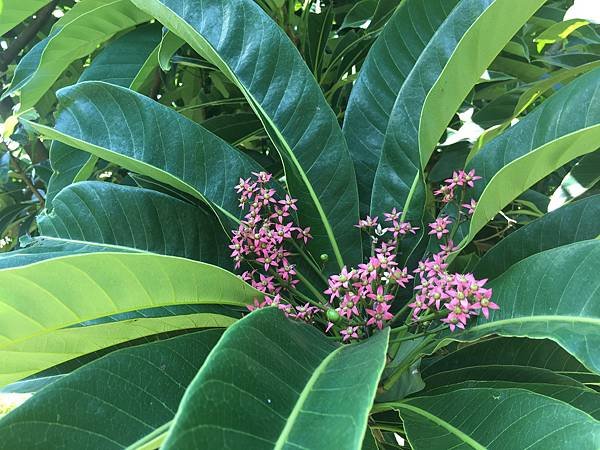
{"points": [[333, 315], [324, 257]]}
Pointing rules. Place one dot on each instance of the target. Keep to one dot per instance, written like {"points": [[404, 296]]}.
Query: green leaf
{"points": [[127, 62], [137, 391], [146, 137], [360, 14], [40, 299], [445, 72], [311, 392], [555, 295], [571, 223], [317, 33], [583, 176], [169, 44], [380, 80], [38, 354], [558, 32], [565, 126], [584, 399], [101, 20], [496, 419], [107, 213], [256, 55], [13, 12], [538, 353], [234, 128], [43, 248]]}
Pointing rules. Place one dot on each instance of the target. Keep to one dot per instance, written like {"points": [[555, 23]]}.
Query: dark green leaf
{"points": [[255, 54], [571, 223], [311, 392], [151, 139], [107, 213], [496, 419]]}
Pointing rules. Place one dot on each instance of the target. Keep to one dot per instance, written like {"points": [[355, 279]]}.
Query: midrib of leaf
{"points": [[152, 440], [196, 40], [442, 423], [291, 421]]}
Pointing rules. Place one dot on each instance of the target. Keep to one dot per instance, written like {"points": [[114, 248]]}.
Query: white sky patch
{"points": [[584, 9]]}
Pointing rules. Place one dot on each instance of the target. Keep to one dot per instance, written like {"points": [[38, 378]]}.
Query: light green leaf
{"points": [[449, 67], [571, 223], [555, 295], [108, 213], [43, 248], [101, 20], [37, 354], [558, 32], [385, 70], [13, 12], [169, 44], [146, 137], [311, 392], [496, 419], [39, 299], [565, 126], [256, 55], [127, 394]]}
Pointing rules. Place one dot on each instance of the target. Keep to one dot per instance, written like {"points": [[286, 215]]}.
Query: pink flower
{"points": [[349, 333], [304, 234], [470, 177], [470, 207], [439, 227], [379, 314], [380, 296], [369, 222], [393, 215]]}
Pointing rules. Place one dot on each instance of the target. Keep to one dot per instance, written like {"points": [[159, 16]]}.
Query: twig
{"points": [[19, 170]]}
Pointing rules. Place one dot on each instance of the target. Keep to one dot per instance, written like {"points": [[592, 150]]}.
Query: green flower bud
{"points": [[324, 257], [333, 315]]}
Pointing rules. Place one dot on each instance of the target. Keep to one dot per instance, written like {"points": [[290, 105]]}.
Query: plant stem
{"points": [[19, 170], [395, 376]]}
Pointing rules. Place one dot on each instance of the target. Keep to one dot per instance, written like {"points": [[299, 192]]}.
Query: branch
{"points": [[44, 16], [19, 170]]}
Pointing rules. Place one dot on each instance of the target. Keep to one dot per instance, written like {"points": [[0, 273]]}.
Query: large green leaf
{"points": [[39, 299], [43, 248], [571, 223], [258, 57], [496, 419], [386, 68], [107, 213], [98, 21], [112, 402], [584, 399], [13, 12], [539, 353], [38, 354], [451, 64], [151, 139], [127, 62], [311, 392], [555, 295], [565, 126]]}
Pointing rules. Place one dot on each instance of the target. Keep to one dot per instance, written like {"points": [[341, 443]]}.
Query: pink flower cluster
{"points": [[261, 239], [360, 300], [362, 296], [459, 295], [461, 179]]}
